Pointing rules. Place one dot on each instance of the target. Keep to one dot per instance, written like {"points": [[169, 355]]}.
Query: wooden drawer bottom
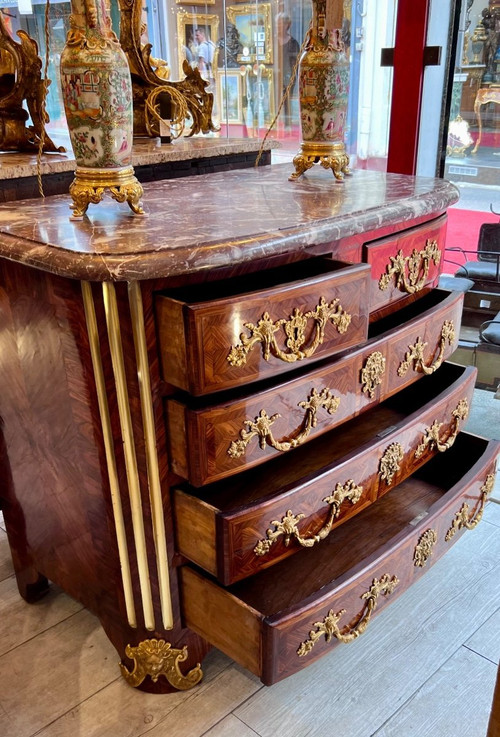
{"points": [[282, 619]]}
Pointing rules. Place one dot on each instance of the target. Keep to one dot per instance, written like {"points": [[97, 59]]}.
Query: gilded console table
{"points": [[218, 401], [483, 97]]}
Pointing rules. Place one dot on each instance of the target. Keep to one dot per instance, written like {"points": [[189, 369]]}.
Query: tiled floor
{"points": [[426, 666]]}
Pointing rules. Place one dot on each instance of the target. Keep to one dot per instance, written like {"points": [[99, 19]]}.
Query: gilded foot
{"points": [[155, 658], [130, 193], [82, 195]]}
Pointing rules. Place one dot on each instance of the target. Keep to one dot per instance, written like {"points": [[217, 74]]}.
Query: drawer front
{"points": [[217, 441], [235, 544], [279, 644], [404, 265], [229, 342]]}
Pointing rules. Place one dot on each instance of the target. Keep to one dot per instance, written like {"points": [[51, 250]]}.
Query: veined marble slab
{"points": [[145, 152], [213, 220]]}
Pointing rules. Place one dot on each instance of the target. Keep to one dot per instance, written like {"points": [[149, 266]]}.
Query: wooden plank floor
{"points": [[426, 666]]}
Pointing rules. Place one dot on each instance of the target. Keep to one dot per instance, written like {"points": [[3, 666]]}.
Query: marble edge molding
{"points": [[189, 257], [144, 153]]}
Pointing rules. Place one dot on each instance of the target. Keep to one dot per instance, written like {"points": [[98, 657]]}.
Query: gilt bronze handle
{"points": [[462, 518], [411, 272], [329, 626], [295, 331], [261, 426], [431, 438], [288, 524], [415, 354]]}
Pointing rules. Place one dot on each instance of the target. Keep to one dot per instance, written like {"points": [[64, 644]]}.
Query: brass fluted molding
{"points": [[107, 434], [261, 426], [129, 451], [287, 526], [154, 484], [410, 273], [423, 549], [329, 626], [390, 462], [415, 354], [372, 373], [462, 518], [263, 333], [432, 439], [155, 658]]}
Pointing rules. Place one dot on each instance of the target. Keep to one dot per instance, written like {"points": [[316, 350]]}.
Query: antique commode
{"points": [[232, 423]]}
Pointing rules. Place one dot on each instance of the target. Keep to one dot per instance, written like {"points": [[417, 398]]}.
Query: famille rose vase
{"points": [[323, 92], [97, 93]]}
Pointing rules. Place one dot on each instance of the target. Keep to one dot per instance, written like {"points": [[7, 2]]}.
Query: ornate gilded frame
{"points": [[242, 16], [184, 21], [231, 108]]}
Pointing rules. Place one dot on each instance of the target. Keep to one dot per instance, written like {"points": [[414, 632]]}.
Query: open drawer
{"points": [[239, 526], [285, 617], [225, 334], [210, 441]]}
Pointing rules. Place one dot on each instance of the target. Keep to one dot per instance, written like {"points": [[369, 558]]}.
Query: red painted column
{"points": [[411, 34]]}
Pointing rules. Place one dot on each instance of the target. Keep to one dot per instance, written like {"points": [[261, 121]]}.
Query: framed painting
{"points": [[229, 90], [187, 42], [254, 26]]}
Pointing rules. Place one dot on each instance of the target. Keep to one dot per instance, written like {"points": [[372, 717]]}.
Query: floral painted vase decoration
{"points": [[97, 89], [323, 92]]}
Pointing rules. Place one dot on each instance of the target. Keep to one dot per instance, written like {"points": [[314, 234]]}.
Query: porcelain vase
{"points": [[97, 94], [323, 92]]}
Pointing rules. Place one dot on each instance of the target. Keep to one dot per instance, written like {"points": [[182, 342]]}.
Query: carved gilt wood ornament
{"points": [[145, 79], [157, 658], [432, 440], [462, 518], [424, 548], [261, 426], [415, 354], [410, 273], [295, 328], [21, 79], [350, 491], [329, 626]]}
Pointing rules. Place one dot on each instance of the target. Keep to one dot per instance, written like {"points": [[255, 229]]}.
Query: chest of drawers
{"points": [[233, 423]]}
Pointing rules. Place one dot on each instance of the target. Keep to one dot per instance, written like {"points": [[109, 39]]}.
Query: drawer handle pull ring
{"points": [[329, 626], [431, 438], [462, 518], [415, 354], [157, 658], [417, 266], [261, 426], [288, 524], [295, 329]]}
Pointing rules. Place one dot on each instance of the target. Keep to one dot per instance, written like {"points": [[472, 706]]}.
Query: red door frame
{"points": [[411, 35]]}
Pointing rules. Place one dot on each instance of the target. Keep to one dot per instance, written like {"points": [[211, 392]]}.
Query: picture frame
{"points": [[229, 88], [186, 25], [254, 25]]}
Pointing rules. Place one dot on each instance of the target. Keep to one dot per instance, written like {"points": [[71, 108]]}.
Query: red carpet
{"points": [[463, 232]]}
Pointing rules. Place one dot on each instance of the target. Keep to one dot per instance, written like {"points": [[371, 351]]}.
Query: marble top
{"points": [[213, 220], [145, 151]]}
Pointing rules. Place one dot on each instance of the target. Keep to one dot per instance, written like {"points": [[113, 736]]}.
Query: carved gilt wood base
{"points": [[332, 157]]}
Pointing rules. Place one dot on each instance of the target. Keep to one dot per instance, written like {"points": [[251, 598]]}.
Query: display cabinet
{"points": [[233, 423]]}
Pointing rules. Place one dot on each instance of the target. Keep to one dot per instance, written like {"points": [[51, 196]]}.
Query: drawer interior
{"points": [[411, 311], [309, 461], [263, 280], [291, 582]]}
